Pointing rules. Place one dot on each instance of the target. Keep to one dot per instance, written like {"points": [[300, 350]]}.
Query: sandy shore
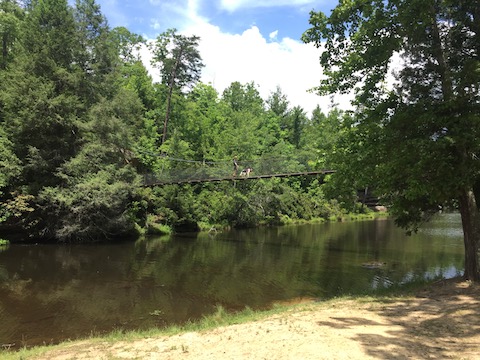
{"points": [[440, 322]]}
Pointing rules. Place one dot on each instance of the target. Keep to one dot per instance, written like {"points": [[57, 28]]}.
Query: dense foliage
{"points": [[81, 121], [418, 139]]}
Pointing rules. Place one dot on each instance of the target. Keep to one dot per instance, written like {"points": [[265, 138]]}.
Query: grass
{"points": [[159, 229], [219, 318], [155, 226], [286, 220], [4, 242]]}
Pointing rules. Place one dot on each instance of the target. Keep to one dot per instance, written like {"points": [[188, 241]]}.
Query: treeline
{"points": [[81, 120]]}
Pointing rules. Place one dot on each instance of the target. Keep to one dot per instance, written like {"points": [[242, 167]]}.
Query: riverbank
{"points": [[439, 321], [286, 221]]}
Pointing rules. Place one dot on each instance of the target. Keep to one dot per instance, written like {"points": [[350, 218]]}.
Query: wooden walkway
{"points": [[157, 182]]}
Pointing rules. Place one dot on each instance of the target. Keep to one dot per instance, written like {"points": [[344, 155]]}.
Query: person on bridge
{"points": [[246, 172], [235, 166]]}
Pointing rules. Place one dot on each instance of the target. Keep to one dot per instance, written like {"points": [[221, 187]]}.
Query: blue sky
{"points": [[150, 17], [241, 40]]}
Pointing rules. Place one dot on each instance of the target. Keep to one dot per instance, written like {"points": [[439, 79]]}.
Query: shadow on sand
{"points": [[442, 321]]}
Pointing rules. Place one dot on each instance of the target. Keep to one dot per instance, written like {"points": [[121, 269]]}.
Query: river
{"points": [[50, 293]]}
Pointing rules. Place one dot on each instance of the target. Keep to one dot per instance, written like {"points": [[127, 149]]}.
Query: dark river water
{"points": [[49, 293]]}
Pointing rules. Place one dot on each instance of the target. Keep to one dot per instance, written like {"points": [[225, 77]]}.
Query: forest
{"points": [[82, 122]]}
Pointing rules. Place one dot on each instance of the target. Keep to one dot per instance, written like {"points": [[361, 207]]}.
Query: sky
{"points": [[240, 40]]}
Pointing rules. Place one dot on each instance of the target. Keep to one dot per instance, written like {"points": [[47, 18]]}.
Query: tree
{"points": [[11, 16], [243, 111], [95, 53], [9, 163], [128, 44], [276, 121], [241, 97], [67, 126], [298, 120], [421, 133], [277, 103], [180, 63], [204, 122], [40, 106], [322, 134], [98, 189]]}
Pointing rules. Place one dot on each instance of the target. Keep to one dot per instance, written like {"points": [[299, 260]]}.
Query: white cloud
{"points": [[246, 57], [155, 24], [233, 5], [273, 35]]}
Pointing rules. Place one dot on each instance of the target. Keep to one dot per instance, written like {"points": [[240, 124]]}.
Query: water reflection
{"points": [[50, 293]]}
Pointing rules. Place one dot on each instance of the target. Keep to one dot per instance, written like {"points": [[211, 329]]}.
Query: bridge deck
{"points": [[157, 182]]}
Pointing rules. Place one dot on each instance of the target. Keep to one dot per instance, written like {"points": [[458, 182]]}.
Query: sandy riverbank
{"points": [[441, 321]]}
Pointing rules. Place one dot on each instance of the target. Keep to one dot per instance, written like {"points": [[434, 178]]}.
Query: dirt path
{"points": [[441, 322]]}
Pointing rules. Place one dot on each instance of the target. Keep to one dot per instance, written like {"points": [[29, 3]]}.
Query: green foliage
{"points": [[49, 36], [174, 206], [81, 121], [242, 97], [134, 77], [417, 141], [95, 207], [128, 45], [11, 16], [241, 205], [95, 53], [155, 227], [412, 138], [16, 209], [9, 162], [203, 122], [146, 149], [178, 58], [98, 195], [180, 63]]}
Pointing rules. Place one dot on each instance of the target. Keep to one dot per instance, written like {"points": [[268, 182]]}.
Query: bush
{"points": [[242, 204], [154, 226], [97, 207]]}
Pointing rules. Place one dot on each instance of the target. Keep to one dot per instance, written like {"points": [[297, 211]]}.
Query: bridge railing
{"points": [[211, 171]]}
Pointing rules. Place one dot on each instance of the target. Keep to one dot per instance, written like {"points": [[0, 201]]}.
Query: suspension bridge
{"points": [[181, 171]]}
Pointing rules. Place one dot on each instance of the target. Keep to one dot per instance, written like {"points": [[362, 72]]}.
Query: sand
{"points": [[439, 322]]}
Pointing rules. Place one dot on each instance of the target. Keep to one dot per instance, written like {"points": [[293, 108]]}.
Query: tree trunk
{"points": [[471, 234], [3, 63], [167, 113], [439, 53], [170, 93], [467, 201]]}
